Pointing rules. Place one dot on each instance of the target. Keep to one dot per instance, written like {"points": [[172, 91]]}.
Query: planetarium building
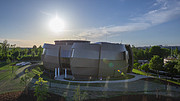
{"points": [[83, 59]]}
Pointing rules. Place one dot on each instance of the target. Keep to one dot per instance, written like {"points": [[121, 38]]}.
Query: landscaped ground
{"points": [[156, 76], [10, 78], [9, 83]]}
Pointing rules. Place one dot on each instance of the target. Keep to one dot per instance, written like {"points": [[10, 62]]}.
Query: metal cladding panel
{"points": [[113, 57], [110, 68], [46, 45], [66, 51], [84, 59], [89, 51], [50, 55], [112, 51]]}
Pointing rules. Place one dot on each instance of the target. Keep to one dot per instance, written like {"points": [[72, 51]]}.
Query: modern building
{"points": [[83, 59]]}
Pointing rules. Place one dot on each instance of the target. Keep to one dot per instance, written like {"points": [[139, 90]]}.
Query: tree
{"points": [[29, 51], [136, 65], [140, 54], [35, 49], [134, 50], [156, 63], [40, 51], [16, 54], [145, 67], [177, 66], [175, 52], [8, 60], [0, 52], [170, 67], [25, 52], [165, 52], [155, 50], [5, 48], [147, 54], [33, 53]]}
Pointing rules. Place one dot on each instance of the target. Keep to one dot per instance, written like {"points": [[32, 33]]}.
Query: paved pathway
{"points": [[21, 70], [137, 77], [111, 89], [139, 85]]}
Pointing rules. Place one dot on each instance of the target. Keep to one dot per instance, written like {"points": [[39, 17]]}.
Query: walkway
{"points": [[21, 70], [114, 89], [137, 77]]}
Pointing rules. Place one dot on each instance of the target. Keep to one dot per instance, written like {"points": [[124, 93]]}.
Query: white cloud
{"points": [[165, 10]]}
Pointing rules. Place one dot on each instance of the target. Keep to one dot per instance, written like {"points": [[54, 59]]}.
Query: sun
{"points": [[56, 24]]}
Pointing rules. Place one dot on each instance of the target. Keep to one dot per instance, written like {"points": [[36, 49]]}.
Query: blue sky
{"points": [[135, 22]]}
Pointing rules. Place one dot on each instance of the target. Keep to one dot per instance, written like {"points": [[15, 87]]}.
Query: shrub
{"points": [[145, 67], [41, 89], [136, 65], [78, 96], [8, 60]]}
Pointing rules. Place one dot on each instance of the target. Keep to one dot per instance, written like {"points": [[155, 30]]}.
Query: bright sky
{"points": [[135, 22]]}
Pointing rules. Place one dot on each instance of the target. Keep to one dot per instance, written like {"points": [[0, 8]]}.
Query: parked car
{"points": [[23, 63]]}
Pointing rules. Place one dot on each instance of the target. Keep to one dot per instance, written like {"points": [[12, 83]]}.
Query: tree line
{"points": [[155, 55], [147, 54], [10, 52]]}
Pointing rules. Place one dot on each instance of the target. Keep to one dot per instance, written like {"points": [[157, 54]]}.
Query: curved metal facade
{"points": [[85, 59]]}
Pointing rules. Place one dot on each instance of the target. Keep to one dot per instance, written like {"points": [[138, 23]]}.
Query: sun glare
{"points": [[56, 24]]}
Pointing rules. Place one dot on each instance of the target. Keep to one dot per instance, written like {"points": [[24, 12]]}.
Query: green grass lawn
{"points": [[155, 76], [7, 81], [6, 71], [141, 72], [10, 78]]}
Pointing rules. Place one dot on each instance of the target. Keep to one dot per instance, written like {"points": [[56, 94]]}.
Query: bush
{"points": [[8, 60], [29, 57], [41, 89], [145, 67], [156, 63], [136, 65], [78, 96]]}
